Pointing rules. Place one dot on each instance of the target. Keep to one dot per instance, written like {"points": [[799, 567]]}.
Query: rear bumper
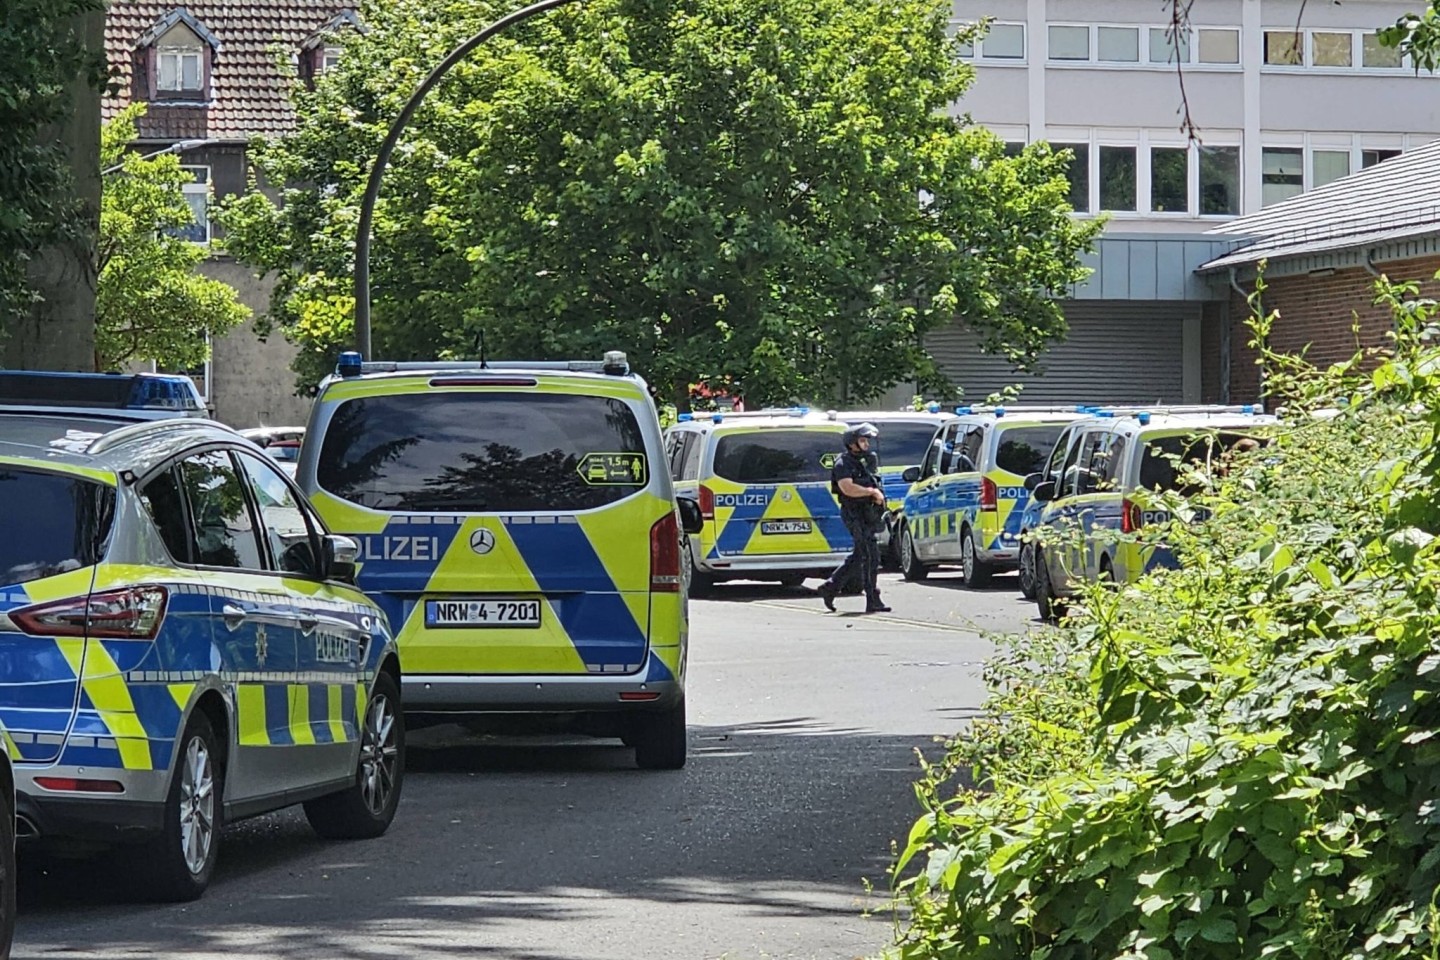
{"points": [[587, 693], [136, 814], [739, 566]]}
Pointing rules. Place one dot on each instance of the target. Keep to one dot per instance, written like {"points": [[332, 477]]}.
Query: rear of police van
{"points": [[1021, 447], [516, 524]]}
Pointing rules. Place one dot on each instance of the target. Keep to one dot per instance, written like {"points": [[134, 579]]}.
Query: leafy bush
{"points": [[1239, 758]]}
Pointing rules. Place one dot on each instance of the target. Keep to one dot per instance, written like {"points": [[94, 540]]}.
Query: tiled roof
{"points": [[248, 90], [1392, 200]]}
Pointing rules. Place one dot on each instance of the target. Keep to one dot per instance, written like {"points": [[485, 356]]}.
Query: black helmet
{"points": [[856, 432]]}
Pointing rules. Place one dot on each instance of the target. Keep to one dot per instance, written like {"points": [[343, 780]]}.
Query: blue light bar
{"points": [[152, 392], [932, 407], [685, 418], [717, 417], [999, 411], [963, 410], [1248, 408], [350, 364], [1143, 417]]}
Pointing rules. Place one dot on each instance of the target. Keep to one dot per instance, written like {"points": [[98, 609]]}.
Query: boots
{"points": [[827, 592], [875, 605]]}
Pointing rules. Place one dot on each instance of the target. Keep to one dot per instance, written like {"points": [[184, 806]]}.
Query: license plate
{"points": [[785, 526], [482, 613]]}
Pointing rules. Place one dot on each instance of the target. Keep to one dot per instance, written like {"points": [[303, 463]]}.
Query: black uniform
{"points": [[864, 519]]}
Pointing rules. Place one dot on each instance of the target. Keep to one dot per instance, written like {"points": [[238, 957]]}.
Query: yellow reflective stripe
{"points": [[250, 710], [300, 731], [74, 469], [337, 719], [181, 693], [105, 685]]}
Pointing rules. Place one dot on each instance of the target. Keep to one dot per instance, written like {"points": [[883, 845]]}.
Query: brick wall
{"points": [[1316, 316]]}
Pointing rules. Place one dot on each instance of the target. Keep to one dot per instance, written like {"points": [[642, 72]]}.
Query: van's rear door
{"points": [[771, 489]]}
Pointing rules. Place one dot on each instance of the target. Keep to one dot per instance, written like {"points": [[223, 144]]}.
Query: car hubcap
{"points": [[1027, 568], [379, 755], [907, 551], [967, 557], [197, 806]]}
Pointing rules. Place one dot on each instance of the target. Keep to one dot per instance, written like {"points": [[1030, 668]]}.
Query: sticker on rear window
{"points": [[606, 469], [829, 460]]}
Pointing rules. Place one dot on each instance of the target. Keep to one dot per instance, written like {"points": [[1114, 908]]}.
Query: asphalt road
{"points": [[803, 731]]}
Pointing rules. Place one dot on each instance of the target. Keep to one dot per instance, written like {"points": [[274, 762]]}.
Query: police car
{"points": [[184, 645], [762, 483], [904, 441], [517, 524], [967, 498], [1093, 491]]}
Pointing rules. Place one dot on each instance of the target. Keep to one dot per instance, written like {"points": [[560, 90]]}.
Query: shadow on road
{"points": [[781, 819]]}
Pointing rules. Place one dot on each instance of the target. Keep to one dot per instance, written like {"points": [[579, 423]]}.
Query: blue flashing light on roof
{"points": [[717, 418], [350, 364], [685, 417], [164, 393], [932, 407], [1143, 417], [1105, 414], [964, 410], [799, 411], [154, 393], [1248, 408], [999, 411]]}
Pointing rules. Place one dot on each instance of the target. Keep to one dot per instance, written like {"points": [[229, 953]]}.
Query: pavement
{"points": [[773, 842]]}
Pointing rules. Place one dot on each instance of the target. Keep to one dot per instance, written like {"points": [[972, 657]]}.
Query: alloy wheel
{"points": [[197, 806], [379, 754]]}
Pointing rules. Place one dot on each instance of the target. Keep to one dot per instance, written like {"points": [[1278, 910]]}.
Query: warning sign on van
{"points": [[607, 469], [829, 460]]}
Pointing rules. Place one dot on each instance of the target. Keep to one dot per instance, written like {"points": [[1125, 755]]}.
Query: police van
{"points": [[761, 480], [966, 500], [905, 439], [184, 643], [518, 526], [1097, 486]]}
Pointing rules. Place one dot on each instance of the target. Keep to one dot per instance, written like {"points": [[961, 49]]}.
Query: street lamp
{"points": [[372, 188], [179, 146]]}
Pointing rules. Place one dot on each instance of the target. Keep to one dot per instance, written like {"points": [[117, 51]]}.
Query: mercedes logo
{"points": [[785, 495], [482, 541]]}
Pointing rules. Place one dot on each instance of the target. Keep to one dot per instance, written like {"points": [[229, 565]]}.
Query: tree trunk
{"points": [[59, 331]]}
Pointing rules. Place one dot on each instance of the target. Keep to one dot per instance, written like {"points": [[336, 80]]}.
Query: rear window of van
{"points": [[483, 452], [1024, 450], [776, 456]]}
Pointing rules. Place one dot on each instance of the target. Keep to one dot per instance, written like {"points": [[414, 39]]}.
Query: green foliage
{"points": [[151, 303], [721, 188], [40, 56], [1417, 35], [1237, 759]]}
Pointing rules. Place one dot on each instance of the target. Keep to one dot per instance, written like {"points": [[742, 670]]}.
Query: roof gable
{"points": [[346, 19], [168, 22]]}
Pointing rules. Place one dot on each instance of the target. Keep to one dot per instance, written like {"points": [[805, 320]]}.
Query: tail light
{"points": [[707, 502], [665, 555], [989, 495], [1131, 519], [134, 613]]}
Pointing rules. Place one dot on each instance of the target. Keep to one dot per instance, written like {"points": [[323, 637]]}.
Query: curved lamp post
{"points": [[382, 159]]}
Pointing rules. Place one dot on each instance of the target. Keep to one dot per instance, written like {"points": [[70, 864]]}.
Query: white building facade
{"points": [[1282, 102]]}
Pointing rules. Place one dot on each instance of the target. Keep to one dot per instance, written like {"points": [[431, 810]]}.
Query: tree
{"points": [[769, 191], [51, 67], [152, 304], [1417, 35]]}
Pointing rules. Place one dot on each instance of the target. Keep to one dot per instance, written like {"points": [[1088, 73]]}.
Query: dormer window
{"points": [[180, 68], [321, 51], [174, 59]]}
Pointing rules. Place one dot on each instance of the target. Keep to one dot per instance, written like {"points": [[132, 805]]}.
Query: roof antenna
{"points": [[480, 348]]}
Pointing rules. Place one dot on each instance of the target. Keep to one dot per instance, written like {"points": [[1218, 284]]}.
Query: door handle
{"points": [[307, 623], [234, 616]]}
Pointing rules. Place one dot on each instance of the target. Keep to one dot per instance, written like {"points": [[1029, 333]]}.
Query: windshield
{"points": [[1159, 469], [776, 456], [53, 523], [903, 444], [1024, 450], [483, 452]]}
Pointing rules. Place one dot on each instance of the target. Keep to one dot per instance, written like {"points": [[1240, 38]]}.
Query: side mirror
{"points": [[341, 553], [1044, 491], [1034, 480], [911, 474], [691, 520]]}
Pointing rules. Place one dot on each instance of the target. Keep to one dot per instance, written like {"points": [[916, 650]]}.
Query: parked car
{"points": [[281, 444], [905, 439]]}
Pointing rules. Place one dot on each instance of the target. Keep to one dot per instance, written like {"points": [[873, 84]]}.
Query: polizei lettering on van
{"points": [[399, 548], [741, 499]]}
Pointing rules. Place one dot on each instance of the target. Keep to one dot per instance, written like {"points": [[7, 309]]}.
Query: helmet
{"points": [[856, 432]]}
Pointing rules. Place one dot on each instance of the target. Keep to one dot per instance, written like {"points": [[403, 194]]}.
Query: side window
{"points": [[1078, 479], [166, 506], [949, 448], [935, 455], [285, 524], [690, 469], [974, 441], [1057, 455], [672, 454], [225, 533], [1110, 474]]}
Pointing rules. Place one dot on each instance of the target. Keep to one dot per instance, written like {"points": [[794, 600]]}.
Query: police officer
{"points": [[862, 507]]}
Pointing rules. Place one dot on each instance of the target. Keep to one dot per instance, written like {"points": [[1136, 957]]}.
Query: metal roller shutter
{"points": [[1117, 351]]}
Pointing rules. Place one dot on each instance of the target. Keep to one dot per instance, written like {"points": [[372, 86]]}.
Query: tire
{"points": [[910, 566], [1107, 574], [1027, 570], [364, 809], [7, 874], [660, 738], [177, 865], [1052, 608], [976, 572], [700, 585]]}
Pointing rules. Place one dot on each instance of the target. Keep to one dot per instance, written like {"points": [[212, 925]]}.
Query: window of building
{"points": [[1118, 44], [1013, 149], [1373, 55], [1219, 46], [1331, 49], [1283, 48], [179, 69], [1219, 181], [197, 195], [1078, 173], [1368, 158], [1327, 166], [330, 59], [1164, 49], [1169, 180], [1117, 178], [1005, 41], [1282, 174], [963, 49], [1069, 43]]}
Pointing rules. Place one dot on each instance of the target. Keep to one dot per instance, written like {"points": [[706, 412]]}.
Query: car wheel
{"points": [[1107, 574], [179, 863], [975, 571], [365, 808], [699, 584], [1027, 570], [1052, 608], [7, 874], [910, 566], [659, 738]]}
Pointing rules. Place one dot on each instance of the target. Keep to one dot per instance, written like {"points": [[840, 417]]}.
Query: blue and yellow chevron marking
{"points": [[741, 510], [938, 507]]}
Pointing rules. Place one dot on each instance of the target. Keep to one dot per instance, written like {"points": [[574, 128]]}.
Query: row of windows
{"points": [[1197, 181], [1162, 46], [180, 68]]}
